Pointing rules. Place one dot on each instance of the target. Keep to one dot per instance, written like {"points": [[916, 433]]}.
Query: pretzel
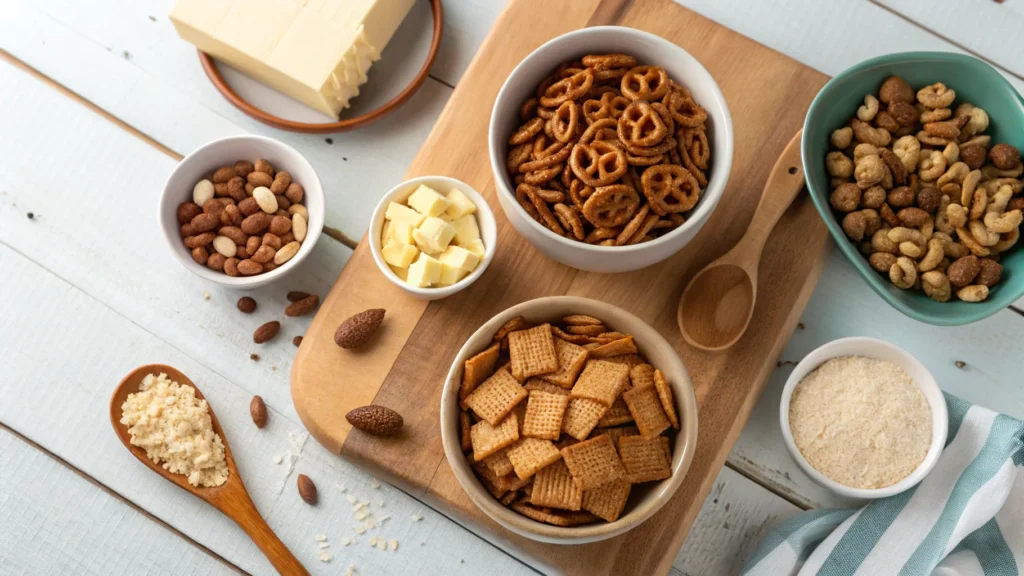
{"points": [[598, 163], [609, 106], [657, 150], [543, 175], [684, 110], [610, 77], [569, 88], [569, 217], [611, 206], [669, 189], [609, 61], [645, 83], [526, 202], [693, 147], [541, 150], [546, 161], [526, 132], [545, 216], [633, 225], [666, 116], [640, 125], [579, 192], [565, 121], [517, 156], [644, 160], [550, 196], [529, 109], [646, 226], [601, 234]]}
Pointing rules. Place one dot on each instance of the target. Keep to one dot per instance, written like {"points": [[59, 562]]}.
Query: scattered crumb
{"points": [[800, 326], [329, 140], [364, 503], [461, 561], [320, 537], [960, 364], [152, 18], [416, 517], [383, 518], [351, 570], [369, 524], [379, 503], [273, 368], [362, 514], [360, 530], [206, 295], [344, 159], [373, 542], [126, 55], [323, 545], [341, 488], [393, 544], [297, 340], [351, 498], [374, 484], [382, 544], [31, 216], [254, 357], [346, 541], [278, 459], [357, 506], [324, 557]]}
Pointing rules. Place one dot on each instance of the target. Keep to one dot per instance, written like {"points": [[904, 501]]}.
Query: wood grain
{"points": [[415, 351]]}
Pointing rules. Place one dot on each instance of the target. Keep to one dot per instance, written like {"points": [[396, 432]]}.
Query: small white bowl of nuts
{"points": [[242, 211]]}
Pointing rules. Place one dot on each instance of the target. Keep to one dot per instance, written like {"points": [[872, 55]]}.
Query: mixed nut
{"points": [[923, 191]]}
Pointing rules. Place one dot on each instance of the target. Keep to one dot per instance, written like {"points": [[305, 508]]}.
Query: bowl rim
{"points": [[995, 303], [686, 402], [712, 193], [483, 211], [173, 236], [929, 389]]}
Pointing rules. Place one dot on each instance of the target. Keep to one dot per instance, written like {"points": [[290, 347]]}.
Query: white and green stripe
{"points": [[965, 518]]}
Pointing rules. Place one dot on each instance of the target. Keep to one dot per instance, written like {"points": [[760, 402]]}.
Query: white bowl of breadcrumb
{"points": [[863, 418]]}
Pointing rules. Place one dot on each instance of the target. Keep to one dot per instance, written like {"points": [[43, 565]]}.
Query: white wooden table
{"points": [[99, 99]]}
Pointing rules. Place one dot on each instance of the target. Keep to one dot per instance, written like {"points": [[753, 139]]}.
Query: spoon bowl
{"points": [[231, 497]]}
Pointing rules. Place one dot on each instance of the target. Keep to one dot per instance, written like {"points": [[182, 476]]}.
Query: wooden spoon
{"points": [[231, 498], [717, 304]]}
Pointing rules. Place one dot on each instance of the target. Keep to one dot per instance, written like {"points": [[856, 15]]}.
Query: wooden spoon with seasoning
{"points": [[231, 498], [717, 304]]}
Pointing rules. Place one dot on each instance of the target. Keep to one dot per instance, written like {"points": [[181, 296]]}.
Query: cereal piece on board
{"points": [[641, 375], [594, 462], [489, 439], [601, 381], [607, 501], [532, 352], [544, 412], [581, 320], [617, 414], [496, 397], [554, 487], [582, 416], [536, 383], [644, 460], [478, 368], [531, 454], [464, 427], [571, 359], [665, 395], [499, 462], [516, 323], [647, 411], [616, 433], [615, 348]]}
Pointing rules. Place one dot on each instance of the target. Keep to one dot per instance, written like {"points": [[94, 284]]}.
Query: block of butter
{"points": [[316, 51]]}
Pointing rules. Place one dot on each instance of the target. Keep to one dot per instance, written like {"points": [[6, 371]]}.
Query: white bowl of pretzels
{"points": [[610, 148]]}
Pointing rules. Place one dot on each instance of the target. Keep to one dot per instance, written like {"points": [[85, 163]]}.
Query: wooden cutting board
{"points": [[768, 95]]}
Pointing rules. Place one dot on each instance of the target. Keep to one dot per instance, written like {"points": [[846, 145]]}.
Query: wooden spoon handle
{"points": [[784, 182], [244, 513]]}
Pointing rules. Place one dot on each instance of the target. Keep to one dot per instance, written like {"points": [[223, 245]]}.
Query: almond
{"points": [[246, 304], [266, 332], [307, 490], [243, 168], [297, 341], [187, 211], [206, 222], [263, 165], [249, 267], [357, 330], [254, 223], [258, 179], [296, 295], [376, 420], [258, 411], [223, 174], [302, 307]]}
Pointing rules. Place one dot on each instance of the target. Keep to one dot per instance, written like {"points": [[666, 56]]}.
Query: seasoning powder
{"points": [[174, 427], [861, 422]]}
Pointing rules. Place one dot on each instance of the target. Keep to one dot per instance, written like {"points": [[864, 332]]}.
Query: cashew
{"points": [[957, 215], [936, 286], [934, 255], [903, 273], [978, 120], [978, 204], [942, 223], [936, 96], [949, 247], [970, 183], [869, 110], [991, 172], [957, 172], [902, 234], [865, 133], [999, 200], [908, 149], [1006, 241], [864, 149], [974, 293], [842, 138], [870, 170], [951, 153], [981, 234], [1002, 223], [928, 228], [931, 165], [931, 139], [839, 165], [910, 250], [881, 243], [967, 240], [993, 186], [881, 261]]}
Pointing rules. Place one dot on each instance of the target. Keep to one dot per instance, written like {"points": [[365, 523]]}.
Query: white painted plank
{"points": [[466, 25], [990, 29], [842, 305], [160, 89], [53, 521], [65, 352]]}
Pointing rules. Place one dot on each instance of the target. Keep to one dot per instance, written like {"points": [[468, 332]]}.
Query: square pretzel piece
{"points": [[532, 352], [601, 381], [607, 501], [644, 460], [593, 463], [478, 368], [496, 397], [544, 412], [554, 487], [646, 409], [582, 416], [487, 439], [665, 396], [617, 414], [531, 454], [536, 383], [615, 348], [571, 359]]}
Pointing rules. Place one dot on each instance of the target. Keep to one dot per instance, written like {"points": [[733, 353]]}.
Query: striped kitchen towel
{"points": [[965, 518]]}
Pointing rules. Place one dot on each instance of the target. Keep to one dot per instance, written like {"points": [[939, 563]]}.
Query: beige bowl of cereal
{"points": [[608, 413]]}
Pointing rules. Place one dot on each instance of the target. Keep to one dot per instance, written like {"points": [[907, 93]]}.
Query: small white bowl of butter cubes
{"points": [[433, 236]]}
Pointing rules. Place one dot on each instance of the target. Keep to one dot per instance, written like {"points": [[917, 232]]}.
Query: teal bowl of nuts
{"points": [[913, 161]]}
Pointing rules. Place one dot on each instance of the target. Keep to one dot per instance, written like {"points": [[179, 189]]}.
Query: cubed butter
{"points": [[424, 272], [402, 232], [402, 273], [399, 213], [427, 201], [433, 235], [460, 258], [466, 229], [399, 255], [476, 247], [385, 232], [459, 204], [451, 274]]}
